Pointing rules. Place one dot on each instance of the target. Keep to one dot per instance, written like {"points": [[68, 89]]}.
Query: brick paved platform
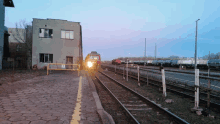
{"points": [[59, 98]]}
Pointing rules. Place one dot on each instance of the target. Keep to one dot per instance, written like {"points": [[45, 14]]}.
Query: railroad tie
{"points": [[140, 109], [135, 105]]}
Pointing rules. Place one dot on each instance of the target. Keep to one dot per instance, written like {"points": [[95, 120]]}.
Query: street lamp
{"points": [[196, 44]]}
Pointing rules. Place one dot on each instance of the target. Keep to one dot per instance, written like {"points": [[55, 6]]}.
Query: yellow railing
{"points": [[64, 67]]}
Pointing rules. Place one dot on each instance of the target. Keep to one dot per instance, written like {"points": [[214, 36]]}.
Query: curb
{"points": [[106, 118]]}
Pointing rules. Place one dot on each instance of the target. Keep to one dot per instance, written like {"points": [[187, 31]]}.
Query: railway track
{"points": [[182, 90], [140, 109], [110, 105]]}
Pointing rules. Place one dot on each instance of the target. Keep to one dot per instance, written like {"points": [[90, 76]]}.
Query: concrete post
{"points": [[127, 70], [138, 75], [209, 86], [196, 88], [147, 79], [138, 72], [123, 72], [164, 83]]}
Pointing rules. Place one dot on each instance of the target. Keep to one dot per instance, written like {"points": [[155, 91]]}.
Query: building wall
{"points": [[2, 23], [60, 48]]}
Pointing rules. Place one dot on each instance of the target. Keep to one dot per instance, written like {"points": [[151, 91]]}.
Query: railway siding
{"points": [[179, 86], [142, 107], [180, 106]]}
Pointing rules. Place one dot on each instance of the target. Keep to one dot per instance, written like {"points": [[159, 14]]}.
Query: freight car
{"points": [[116, 62], [149, 62], [214, 63], [189, 63]]}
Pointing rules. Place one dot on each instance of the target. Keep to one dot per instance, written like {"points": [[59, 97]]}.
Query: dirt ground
{"points": [[10, 76], [10, 80]]}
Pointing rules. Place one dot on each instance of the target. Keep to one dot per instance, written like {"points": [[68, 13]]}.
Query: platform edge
{"points": [[105, 117]]}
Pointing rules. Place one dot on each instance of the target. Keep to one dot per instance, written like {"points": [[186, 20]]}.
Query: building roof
{"points": [[55, 19], [8, 3]]}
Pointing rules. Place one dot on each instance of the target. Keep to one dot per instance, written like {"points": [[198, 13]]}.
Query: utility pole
{"points": [[145, 53], [196, 44], [155, 50], [209, 55], [145, 48]]}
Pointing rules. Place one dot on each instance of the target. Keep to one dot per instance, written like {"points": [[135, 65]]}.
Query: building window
{"points": [[46, 58], [67, 34], [45, 33]]}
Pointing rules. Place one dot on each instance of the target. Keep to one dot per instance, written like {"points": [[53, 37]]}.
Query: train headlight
{"points": [[89, 64]]}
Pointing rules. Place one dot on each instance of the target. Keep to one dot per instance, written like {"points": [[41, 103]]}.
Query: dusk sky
{"points": [[118, 29]]}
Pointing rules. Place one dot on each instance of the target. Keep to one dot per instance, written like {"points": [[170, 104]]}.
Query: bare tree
{"points": [[23, 34]]}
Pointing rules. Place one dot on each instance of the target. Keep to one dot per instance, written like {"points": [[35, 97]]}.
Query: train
{"points": [[119, 62], [214, 63], [92, 61], [116, 62], [189, 63]]}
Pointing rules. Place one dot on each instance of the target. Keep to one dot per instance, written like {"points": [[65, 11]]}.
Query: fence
{"points": [[183, 79], [61, 66]]}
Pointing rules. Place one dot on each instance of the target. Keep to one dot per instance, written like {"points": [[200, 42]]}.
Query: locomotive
{"points": [[92, 61]]}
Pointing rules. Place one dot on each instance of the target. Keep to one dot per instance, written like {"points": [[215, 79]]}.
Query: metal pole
{"points": [[47, 69], [196, 44], [145, 53]]}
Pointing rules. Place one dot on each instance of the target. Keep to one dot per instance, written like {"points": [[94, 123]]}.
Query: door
{"points": [[69, 60]]}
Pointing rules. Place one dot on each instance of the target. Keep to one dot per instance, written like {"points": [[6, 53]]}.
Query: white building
{"points": [[56, 40]]}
